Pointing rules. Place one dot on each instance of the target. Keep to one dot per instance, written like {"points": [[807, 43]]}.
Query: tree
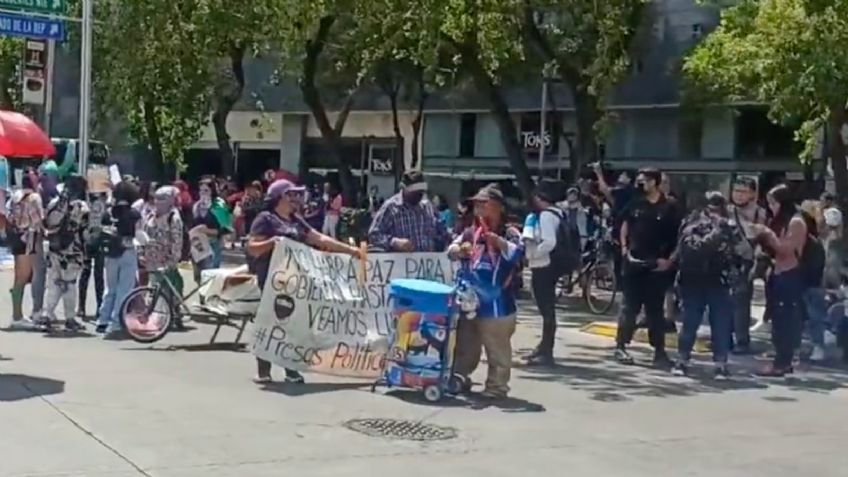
{"points": [[148, 70], [789, 55], [232, 32], [485, 36], [587, 44], [11, 50]]}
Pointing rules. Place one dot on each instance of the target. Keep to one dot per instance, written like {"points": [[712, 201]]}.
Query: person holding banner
{"points": [[405, 223], [281, 218], [491, 254]]}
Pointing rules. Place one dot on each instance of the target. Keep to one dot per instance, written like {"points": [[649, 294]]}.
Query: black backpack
{"points": [[566, 256], [812, 262], [705, 248]]}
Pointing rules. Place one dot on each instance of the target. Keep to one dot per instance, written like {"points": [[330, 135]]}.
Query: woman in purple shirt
{"points": [[281, 218]]}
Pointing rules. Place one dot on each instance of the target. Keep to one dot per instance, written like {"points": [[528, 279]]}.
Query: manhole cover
{"points": [[401, 429]]}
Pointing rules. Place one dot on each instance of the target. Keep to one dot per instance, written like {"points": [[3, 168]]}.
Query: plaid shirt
{"points": [[416, 223]]}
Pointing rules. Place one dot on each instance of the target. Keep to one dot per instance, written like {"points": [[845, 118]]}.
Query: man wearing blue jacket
{"points": [[491, 255]]}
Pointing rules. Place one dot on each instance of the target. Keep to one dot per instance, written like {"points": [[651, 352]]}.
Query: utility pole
{"points": [[85, 85]]}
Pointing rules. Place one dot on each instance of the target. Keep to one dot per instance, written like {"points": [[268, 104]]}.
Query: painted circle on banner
{"points": [[283, 307]]}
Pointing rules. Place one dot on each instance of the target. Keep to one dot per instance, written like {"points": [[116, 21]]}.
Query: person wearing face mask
{"points": [[648, 238], [93, 262], [406, 224], [66, 224], [281, 218], [745, 212], [164, 230], [120, 225], [214, 221]]}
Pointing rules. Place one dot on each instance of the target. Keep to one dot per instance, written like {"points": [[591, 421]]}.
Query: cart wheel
{"points": [[374, 388], [456, 384], [433, 393]]}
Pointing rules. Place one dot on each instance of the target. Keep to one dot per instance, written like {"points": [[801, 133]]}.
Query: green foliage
{"points": [[11, 52], [788, 54], [151, 67]]}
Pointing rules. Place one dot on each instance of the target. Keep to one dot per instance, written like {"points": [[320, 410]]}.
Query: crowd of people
{"points": [[706, 258]]}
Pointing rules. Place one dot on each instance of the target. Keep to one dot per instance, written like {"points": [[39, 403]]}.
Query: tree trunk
{"points": [[227, 96], [398, 165], [312, 98], [154, 137], [836, 151], [416, 126], [500, 112], [588, 115]]}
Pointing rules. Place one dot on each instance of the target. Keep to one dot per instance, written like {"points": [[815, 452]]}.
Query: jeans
{"points": [[92, 264], [209, 263], [39, 278], [120, 280], [742, 296], [643, 290], [544, 291], [816, 306], [784, 297], [716, 300]]}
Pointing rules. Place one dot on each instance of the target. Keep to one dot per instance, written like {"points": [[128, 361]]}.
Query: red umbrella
{"points": [[20, 137]]}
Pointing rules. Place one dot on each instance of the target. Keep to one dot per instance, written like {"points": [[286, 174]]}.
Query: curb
{"points": [[608, 329]]}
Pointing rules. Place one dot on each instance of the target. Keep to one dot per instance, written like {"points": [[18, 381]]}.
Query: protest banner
{"points": [[200, 248], [318, 314], [98, 180]]}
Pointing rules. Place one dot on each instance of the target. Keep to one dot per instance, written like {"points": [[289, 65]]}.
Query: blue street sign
{"points": [[29, 27]]}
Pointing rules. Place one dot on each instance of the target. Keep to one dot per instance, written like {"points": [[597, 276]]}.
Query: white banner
{"points": [[316, 314]]}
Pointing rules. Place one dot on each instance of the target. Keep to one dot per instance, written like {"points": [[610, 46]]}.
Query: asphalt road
{"points": [[83, 407]]}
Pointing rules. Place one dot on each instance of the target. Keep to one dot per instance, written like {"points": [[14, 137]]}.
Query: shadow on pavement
{"points": [[17, 387], [207, 347], [591, 369], [473, 401], [305, 389]]}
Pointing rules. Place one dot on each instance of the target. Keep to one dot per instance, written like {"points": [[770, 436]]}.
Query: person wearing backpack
{"points": [[547, 252], [648, 238], [784, 240], [66, 224], [708, 266]]}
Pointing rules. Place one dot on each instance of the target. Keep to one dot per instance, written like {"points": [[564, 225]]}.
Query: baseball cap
{"points": [[282, 187], [490, 192]]}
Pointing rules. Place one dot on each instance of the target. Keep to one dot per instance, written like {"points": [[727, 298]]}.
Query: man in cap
{"points": [[164, 230], [405, 223]]}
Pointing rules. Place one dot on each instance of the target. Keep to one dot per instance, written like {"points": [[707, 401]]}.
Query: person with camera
{"points": [[65, 225], [648, 238]]}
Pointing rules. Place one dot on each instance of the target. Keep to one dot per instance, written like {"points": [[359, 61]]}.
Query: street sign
{"points": [[29, 27], [40, 6]]}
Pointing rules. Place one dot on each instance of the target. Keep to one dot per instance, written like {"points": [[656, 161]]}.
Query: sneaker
{"points": [[818, 354], [493, 395], [43, 324], [680, 369], [623, 357], [74, 326], [293, 377], [772, 371], [661, 359], [540, 358], [262, 379], [23, 324], [721, 373], [101, 329]]}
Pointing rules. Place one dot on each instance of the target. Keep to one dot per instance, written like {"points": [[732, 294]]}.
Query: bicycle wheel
{"points": [[601, 288], [146, 314]]}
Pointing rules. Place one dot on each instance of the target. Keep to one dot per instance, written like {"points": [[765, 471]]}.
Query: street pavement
{"points": [[83, 407]]}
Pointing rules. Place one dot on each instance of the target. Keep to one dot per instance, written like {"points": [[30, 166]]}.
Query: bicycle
{"points": [[597, 272]]}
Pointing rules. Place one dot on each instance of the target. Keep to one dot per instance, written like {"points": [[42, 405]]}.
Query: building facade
{"points": [[459, 141]]}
